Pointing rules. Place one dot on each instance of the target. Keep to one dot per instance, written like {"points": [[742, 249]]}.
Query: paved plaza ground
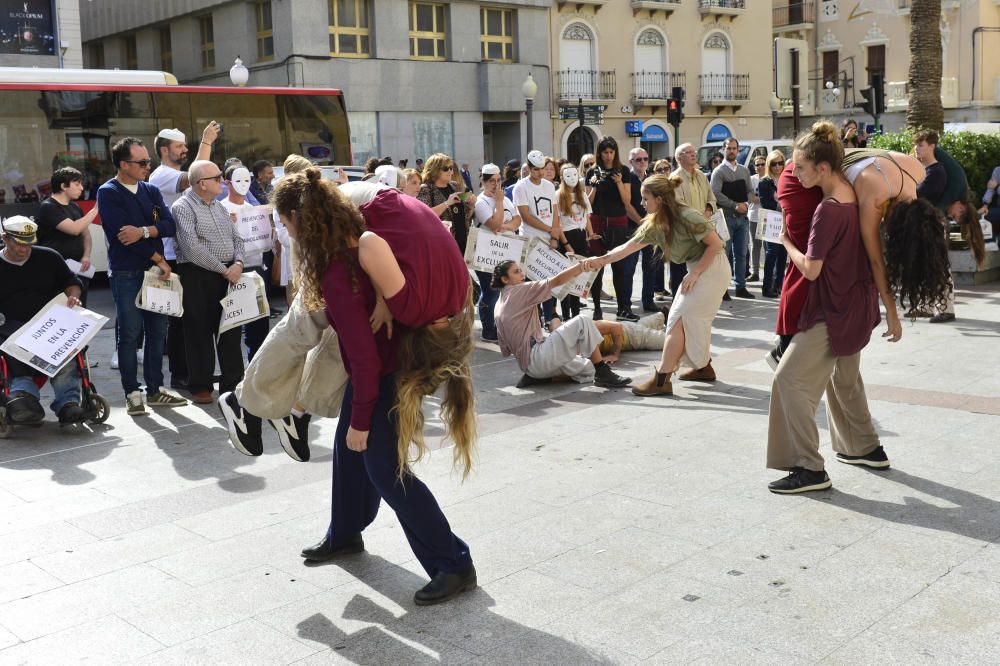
{"points": [[605, 528]]}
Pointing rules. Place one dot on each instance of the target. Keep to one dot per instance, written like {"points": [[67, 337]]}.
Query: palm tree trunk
{"points": [[925, 110]]}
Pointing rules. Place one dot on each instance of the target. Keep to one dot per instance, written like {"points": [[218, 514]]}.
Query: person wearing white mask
{"points": [[498, 219], [573, 208], [238, 182], [390, 176]]}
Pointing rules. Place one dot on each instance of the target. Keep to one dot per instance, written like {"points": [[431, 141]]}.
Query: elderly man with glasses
{"points": [[210, 259], [135, 220]]}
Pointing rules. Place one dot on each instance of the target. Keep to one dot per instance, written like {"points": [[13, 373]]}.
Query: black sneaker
{"points": [[876, 459], [726, 296], [490, 336], [743, 292], [71, 413], [608, 378], [244, 427], [24, 409], [800, 480], [293, 433], [527, 380], [627, 315]]}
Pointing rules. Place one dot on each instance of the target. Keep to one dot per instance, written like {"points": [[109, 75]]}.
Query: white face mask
{"points": [[241, 181], [571, 177]]}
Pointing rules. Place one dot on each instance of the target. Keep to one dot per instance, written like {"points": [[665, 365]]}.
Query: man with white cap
{"points": [[31, 276], [171, 150], [498, 215], [388, 175], [535, 198]]}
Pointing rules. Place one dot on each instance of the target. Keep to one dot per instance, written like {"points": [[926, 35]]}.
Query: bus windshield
{"points": [[43, 129]]}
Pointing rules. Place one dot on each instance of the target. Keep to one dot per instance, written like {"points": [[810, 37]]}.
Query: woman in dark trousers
{"points": [[354, 276], [611, 198], [775, 256]]}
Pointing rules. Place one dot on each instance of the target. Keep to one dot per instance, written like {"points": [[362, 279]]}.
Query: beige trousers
{"points": [[808, 367], [298, 362]]}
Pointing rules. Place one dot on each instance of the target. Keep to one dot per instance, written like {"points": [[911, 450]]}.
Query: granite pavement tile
{"points": [[378, 645], [247, 642], [23, 579], [106, 640], [41, 540]]}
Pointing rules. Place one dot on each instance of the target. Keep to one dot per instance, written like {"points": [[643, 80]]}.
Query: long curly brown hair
{"points": [[326, 224], [916, 256]]}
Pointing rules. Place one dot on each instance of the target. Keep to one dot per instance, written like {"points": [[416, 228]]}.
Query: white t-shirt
{"points": [[578, 220], [251, 260], [540, 200], [166, 179], [752, 208], [486, 205]]}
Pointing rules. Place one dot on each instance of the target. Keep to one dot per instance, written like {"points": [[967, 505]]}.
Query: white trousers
{"points": [[567, 351]]}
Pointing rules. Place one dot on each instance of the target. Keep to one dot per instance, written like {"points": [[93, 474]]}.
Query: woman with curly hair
{"points": [[398, 251], [447, 197], [835, 324], [687, 237]]}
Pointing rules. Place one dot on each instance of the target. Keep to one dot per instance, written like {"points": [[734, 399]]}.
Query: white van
{"points": [[750, 149]]}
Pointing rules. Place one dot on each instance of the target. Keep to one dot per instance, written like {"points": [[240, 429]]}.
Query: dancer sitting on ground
{"points": [[685, 236], [345, 269], [647, 334], [571, 350], [836, 322]]}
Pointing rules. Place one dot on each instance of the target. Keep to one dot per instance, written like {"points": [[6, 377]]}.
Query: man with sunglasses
{"points": [[128, 201], [209, 260], [652, 265]]}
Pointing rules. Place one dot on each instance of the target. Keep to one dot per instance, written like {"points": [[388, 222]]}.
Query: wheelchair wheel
{"points": [[101, 407], [5, 426]]}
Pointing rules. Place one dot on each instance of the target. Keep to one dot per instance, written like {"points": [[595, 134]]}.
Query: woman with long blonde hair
{"points": [[398, 252], [685, 236]]}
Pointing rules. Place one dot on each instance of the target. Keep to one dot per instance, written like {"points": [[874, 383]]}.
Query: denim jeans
{"points": [[486, 302], [652, 274], [66, 386], [736, 247], [131, 323]]}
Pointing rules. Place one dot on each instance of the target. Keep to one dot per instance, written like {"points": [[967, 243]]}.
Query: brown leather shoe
{"points": [[202, 398], [706, 374], [658, 384]]}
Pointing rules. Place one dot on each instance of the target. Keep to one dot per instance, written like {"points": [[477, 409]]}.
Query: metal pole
{"points": [[795, 92], [528, 104], [580, 118]]}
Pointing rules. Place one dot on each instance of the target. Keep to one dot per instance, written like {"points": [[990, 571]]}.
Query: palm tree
{"points": [[925, 110]]}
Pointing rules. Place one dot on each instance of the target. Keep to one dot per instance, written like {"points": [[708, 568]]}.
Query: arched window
{"points": [[715, 54], [651, 65], [576, 60]]}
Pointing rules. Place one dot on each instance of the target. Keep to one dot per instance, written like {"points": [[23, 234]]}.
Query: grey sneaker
{"points": [[133, 404], [164, 398]]}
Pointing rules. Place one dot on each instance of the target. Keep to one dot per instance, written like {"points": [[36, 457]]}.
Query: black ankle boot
{"points": [[325, 550], [445, 586]]}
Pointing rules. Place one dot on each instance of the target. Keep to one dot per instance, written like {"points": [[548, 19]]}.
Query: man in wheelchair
{"points": [[29, 278]]}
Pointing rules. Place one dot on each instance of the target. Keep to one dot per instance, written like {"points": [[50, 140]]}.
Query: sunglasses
{"points": [[588, 165], [760, 165], [641, 159], [659, 171], [142, 163], [774, 164], [217, 178], [448, 168]]}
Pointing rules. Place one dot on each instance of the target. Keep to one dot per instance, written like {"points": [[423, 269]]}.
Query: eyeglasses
{"points": [[660, 170], [142, 163], [217, 178], [760, 165], [641, 159]]}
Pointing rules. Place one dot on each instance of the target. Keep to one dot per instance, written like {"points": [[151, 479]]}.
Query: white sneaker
{"points": [[114, 360], [133, 404]]}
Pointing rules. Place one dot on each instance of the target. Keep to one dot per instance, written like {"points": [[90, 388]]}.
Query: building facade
{"points": [[418, 77], [40, 33], [627, 55], [847, 42]]}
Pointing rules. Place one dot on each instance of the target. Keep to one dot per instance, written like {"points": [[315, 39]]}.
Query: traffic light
{"points": [[675, 106], [869, 104], [878, 91]]}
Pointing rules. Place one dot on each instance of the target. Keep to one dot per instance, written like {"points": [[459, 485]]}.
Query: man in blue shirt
{"points": [[135, 220]]}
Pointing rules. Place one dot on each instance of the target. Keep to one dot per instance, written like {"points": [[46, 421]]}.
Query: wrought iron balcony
{"points": [[656, 86], [587, 84], [722, 7], [793, 14], [723, 89]]}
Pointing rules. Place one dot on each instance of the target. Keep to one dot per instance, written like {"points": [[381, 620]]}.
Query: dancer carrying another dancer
{"points": [[684, 236], [835, 324]]}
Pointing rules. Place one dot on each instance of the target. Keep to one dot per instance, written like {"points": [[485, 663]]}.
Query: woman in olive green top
{"points": [[685, 236]]}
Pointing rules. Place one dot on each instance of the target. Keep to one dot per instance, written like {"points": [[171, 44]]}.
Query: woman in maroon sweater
{"points": [[370, 460]]}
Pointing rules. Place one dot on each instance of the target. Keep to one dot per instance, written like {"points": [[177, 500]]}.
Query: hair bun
{"points": [[314, 175], [826, 131]]}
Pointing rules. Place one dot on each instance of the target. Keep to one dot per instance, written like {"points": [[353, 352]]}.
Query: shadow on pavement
{"points": [[973, 516], [461, 618], [61, 456]]}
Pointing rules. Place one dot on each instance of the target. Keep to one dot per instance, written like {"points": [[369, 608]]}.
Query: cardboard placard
{"points": [[769, 225], [53, 336], [542, 263], [987, 229], [721, 226], [254, 226], [161, 296], [485, 249], [245, 302]]}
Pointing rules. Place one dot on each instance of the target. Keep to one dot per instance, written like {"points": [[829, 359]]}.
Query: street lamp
{"points": [[529, 89], [775, 104], [238, 73]]}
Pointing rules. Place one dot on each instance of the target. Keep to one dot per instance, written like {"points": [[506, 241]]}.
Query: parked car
{"points": [[750, 149], [329, 172]]}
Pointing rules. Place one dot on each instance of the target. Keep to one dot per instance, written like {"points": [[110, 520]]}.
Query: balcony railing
{"points": [[723, 88], [794, 13], [721, 6], [656, 85], [588, 84], [667, 6]]}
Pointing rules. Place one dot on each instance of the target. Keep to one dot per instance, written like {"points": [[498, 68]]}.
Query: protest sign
{"points": [[53, 336], [485, 249], [721, 226], [542, 263], [159, 295], [769, 225], [245, 302], [254, 226]]}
